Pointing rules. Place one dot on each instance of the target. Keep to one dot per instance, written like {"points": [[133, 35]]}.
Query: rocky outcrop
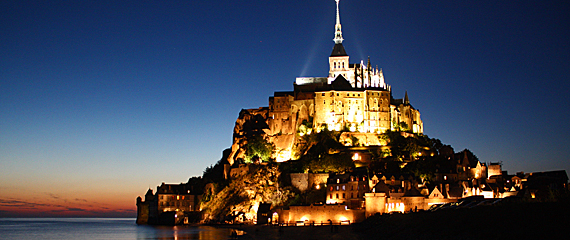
{"points": [[249, 123], [241, 198]]}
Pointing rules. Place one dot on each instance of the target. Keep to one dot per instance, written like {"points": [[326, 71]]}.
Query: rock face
{"points": [[250, 122], [241, 198]]}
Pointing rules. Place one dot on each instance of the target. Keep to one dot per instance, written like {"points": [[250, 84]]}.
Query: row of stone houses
{"points": [[352, 197]]}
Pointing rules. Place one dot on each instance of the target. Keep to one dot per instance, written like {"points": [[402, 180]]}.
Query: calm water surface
{"points": [[100, 228]]}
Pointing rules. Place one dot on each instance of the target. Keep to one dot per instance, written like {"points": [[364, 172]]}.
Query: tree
{"points": [[257, 148], [330, 163]]}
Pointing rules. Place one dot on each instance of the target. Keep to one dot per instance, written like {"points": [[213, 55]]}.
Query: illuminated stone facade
{"points": [[347, 189], [353, 97], [171, 204], [319, 215]]}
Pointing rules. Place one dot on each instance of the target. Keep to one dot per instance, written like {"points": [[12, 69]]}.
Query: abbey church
{"points": [[353, 98], [323, 124]]}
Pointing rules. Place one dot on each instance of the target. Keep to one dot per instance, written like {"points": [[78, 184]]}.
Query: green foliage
{"points": [[424, 168], [257, 148], [470, 155], [316, 144], [309, 197], [215, 173], [329, 163], [319, 152]]}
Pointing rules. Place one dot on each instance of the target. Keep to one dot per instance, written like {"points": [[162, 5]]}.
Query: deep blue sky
{"points": [[113, 97]]}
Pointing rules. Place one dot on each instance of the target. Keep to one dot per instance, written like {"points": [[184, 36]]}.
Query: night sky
{"points": [[100, 100]]}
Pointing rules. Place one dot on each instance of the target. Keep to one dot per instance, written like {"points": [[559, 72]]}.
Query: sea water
{"points": [[101, 228]]}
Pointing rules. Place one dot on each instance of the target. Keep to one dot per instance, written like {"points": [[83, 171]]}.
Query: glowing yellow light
{"points": [[304, 218], [356, 157], [318, 187]]}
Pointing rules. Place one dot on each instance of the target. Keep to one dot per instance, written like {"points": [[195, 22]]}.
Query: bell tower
{"points": [[338, 61]]}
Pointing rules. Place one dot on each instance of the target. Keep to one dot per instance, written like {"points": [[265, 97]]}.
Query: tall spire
{"points": [[338, 29]]}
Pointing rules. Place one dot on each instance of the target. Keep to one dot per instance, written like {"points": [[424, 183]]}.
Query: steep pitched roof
{"points": [[340, 83], [338, 51], [381, 187], [413, 192], [435, 193]]}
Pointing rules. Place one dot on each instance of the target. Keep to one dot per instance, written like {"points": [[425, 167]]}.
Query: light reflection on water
{"points": [[101, 228], [182, 232]]}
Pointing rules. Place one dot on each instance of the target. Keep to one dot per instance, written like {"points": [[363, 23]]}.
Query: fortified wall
{"points": [[304, 181], [320, 214]]}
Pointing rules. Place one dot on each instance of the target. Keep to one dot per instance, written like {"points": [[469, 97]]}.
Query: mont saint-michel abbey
{"points": [[335, 150], [353, 97]]}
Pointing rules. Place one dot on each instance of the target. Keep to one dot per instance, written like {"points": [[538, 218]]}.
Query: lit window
{"points": [[343, 187]]}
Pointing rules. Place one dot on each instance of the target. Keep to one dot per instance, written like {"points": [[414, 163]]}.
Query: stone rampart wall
{"points": [[303, 181], [321, 214]]}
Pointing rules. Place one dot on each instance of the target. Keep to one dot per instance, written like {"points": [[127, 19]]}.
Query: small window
{"points": [[337, 196], [343, 195], [323, 94]]}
